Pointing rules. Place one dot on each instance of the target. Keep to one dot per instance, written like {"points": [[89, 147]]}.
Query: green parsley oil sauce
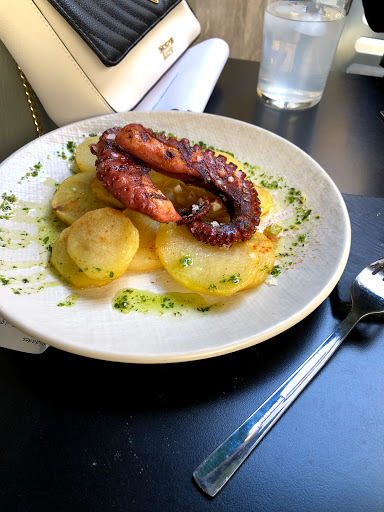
{"points": [[40, 226], [23, 224], [174, 303], [69, 301], [291, 213]]}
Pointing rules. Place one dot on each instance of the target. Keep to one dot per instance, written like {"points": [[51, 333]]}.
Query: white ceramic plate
{"points": [[92, 327]]}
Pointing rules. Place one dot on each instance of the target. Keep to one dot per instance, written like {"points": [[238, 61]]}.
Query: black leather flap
{"points": [[113, 27]]}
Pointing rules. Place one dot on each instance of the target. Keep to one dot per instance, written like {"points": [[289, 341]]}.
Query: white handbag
{"points": [[90, 57]]}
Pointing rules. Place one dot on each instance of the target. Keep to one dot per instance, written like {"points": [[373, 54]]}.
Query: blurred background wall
{"points": [[238, 22]]}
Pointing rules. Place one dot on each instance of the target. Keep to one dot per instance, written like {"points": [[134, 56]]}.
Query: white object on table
{"points": [[17, 340], [187, 86]]}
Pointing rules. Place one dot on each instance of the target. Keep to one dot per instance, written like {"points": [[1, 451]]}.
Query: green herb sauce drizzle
{"points": [[297, 229], [174, 303], [69, 301]]}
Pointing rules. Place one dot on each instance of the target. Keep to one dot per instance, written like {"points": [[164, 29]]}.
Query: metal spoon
{"points": [[367, 293]]}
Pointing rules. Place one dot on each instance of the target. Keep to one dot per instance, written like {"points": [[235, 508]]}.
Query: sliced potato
{"points": [[266, 201], [105, 195], [84, 159], [146, 257], [75, 168], [74, 197], [203, 268], [266, 252], [67, 268], [164, 183], [103, 243], [160, 180]]}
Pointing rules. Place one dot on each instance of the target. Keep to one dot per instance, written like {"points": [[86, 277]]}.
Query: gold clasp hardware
{"points": [[167, 48], [154, 1]]}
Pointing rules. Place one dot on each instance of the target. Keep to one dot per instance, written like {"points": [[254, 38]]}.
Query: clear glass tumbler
{"points": [[300, 38]]}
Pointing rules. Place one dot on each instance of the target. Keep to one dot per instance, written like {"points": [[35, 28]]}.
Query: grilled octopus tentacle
{"points": [[194, 166], [128, 180]]}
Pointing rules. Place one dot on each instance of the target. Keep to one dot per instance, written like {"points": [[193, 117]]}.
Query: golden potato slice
{"points": [[203, 268], [103, 243], [146, 257], [266, 201], [266, 252], [187, 195], [74, 197], [105, 195], [74, 167], [160, 180], [67, 268], [84, 159], [164, 183]]}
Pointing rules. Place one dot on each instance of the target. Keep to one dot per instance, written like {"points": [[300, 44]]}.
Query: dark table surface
{"points": [[79, 434]]}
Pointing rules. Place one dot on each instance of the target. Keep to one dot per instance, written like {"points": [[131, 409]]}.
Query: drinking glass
{"points": [[300, 38]]}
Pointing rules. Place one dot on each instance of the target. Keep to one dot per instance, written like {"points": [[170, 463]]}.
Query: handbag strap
{"points": [[33, 107]]}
